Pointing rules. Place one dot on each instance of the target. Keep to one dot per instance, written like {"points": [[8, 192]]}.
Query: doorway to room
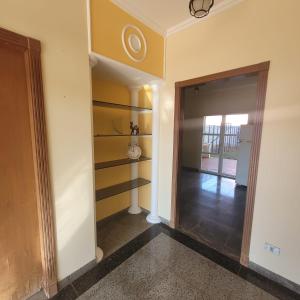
{"points": [[212, 198], [218, 123]]}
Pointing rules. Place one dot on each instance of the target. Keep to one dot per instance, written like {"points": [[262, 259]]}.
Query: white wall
{"points": [[250, 32], [61, 28], [235, 96]]}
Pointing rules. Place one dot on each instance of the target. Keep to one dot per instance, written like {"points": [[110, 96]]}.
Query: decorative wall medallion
{"points": [[134, 43]]}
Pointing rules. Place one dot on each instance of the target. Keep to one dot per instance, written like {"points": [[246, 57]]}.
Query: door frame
{"points": [[261, 70], [32, 57]]}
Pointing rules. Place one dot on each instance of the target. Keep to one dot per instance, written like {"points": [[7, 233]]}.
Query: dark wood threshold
{"points": [[120, 106], [119, 162], [120, 188]]}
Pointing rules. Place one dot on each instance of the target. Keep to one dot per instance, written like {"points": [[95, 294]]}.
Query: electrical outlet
{"points": [[273, 249]]}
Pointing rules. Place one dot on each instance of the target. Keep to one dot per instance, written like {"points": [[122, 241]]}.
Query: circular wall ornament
{"points": [[134, 43]]}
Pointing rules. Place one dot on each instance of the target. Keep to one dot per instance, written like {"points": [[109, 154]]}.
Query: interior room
{"points": [[215, 158], [149, 149]]}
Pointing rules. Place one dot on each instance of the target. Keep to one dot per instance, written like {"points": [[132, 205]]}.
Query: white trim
{"points": [[153, 216], [89, 24], [134, 208], [139, 16], [224, 5], [165, 58], [140, 34], [92, 63]]}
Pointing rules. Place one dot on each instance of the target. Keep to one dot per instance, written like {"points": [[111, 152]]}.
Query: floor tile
{"points": [[163, 263], [167, 269], [67, 293], [212, 211]]}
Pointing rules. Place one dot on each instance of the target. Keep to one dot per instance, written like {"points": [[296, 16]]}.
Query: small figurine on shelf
{"points": [[135, 130]]}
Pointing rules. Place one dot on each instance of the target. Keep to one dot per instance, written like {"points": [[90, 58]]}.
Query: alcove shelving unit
{"points": [[122, 187]]}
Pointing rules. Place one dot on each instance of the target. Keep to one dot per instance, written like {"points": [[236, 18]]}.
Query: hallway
{"points": [[212, 211]]}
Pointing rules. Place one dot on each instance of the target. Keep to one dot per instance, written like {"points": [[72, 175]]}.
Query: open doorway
{"points": [[218, 121]]}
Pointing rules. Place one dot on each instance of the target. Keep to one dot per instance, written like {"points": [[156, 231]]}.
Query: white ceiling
{"points": [[166, 16]]}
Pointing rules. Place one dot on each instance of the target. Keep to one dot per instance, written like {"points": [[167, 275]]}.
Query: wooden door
{"points": [[20, 248]]}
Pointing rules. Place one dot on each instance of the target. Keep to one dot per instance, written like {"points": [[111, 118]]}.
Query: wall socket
{"points": [[271, 248]]}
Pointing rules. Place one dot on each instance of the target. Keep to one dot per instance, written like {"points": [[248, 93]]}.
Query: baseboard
{"points": [[66, 281], [275, 277], [191, 169]]}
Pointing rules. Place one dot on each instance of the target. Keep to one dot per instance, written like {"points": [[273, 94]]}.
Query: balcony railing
{"points": [[211, 138]]}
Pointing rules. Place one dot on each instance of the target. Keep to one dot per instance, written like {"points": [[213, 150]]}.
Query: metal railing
{"points": [[211, 138]]}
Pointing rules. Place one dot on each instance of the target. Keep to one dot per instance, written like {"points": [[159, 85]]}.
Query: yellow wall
{"points": [[253, 31], [65, 66], [112, 121], [106, 90], [107, 22]]}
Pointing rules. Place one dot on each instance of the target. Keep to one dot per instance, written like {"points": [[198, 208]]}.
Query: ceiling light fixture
{"points": [[200, 8]]}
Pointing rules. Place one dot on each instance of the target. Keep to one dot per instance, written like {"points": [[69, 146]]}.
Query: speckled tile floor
{"points": [[166, 269]]}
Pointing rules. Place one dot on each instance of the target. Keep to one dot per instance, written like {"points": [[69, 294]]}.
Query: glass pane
{"points": [[210, 143], [237, 120], [211, 134], [229, 167], [212, 124], [231, 142], [209, 162]]}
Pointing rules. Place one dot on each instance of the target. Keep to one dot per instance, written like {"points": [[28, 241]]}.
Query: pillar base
{"points": [[134, 210], [153, 219], [99, 254]]}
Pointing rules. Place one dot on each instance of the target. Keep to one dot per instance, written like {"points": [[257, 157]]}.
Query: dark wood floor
{"points": [[212, 211]]}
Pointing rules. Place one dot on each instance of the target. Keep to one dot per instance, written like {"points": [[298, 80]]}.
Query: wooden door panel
{"points": [[20, 254]]}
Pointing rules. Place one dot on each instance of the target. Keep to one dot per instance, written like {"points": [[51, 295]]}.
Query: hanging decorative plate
{"points": [[134, 43], [134, 151]]}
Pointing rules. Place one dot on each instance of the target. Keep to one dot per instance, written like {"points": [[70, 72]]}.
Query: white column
{"points": [[134, 208], [153, 216]]}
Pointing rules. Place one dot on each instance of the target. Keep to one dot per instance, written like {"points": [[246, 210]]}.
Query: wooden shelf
{"points": [[112, 135], [119, 162], [120, 106], [120, 188]]}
